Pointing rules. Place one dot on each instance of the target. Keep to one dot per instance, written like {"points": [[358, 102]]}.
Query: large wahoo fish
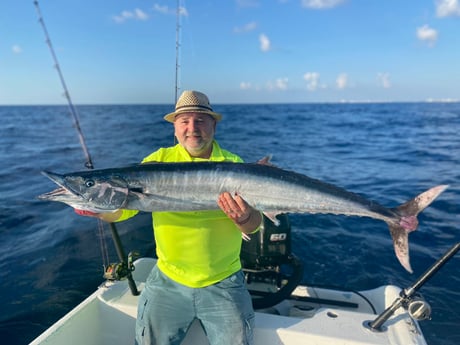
{"points": [[196, 186]]}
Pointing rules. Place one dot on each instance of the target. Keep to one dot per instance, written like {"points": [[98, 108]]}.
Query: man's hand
{"points": [[86, 213], [240, 212], [107, 217]]}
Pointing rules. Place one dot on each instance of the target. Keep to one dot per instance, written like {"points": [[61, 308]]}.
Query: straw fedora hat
{"points": [[192, 102]]}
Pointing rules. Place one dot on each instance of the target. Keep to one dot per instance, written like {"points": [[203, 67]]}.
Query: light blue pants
{"points": [[167, 309]]}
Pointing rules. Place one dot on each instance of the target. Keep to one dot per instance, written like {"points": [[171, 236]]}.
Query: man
{"points": [[198, 273]]}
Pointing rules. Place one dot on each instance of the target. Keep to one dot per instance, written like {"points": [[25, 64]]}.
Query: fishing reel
{"points": [[418, 308], [120, 270]]}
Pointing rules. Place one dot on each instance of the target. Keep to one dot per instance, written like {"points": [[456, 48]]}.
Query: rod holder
{"points": [[406, 295]]}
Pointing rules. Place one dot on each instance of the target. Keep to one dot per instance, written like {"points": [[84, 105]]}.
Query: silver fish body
{"points": [[196, 186]]}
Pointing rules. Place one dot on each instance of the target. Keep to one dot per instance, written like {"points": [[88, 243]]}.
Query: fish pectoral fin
{"points": [[160, 202], [272, 217]]}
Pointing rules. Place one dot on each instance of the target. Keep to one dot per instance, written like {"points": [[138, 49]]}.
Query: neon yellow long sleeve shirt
{"points": [[195, 249]]}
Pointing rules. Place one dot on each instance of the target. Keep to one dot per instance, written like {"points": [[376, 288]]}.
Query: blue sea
{"points": [[51, 259]]}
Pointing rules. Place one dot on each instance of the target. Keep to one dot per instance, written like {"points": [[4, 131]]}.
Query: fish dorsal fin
{"points": [[265, 160]]}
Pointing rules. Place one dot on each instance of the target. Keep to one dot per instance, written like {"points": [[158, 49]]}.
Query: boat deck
{"points": [[312, 316]]}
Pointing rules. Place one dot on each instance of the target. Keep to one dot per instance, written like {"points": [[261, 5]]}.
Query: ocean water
{"points": [[50, 258]]}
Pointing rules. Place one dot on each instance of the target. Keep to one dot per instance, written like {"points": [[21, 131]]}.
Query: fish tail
{"points": [[407, 222]]}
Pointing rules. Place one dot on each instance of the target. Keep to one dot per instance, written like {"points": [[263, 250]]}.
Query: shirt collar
{"points": [[216, 154]]}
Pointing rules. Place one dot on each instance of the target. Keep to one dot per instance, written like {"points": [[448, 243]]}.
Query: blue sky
{"points": [[236, 51]]}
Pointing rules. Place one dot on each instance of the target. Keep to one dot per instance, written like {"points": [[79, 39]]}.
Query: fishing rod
{"points": [[72, 109], [417, 308], [122, 269], [178, 38]]}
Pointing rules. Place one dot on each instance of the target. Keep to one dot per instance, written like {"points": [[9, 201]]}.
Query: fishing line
{"points": [[74, 114]]}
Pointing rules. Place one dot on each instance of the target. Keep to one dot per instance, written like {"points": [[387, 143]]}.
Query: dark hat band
{"points": [[194, 106]]}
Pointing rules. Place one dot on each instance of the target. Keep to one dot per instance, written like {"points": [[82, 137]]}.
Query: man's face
{"points": [[195, 132]]}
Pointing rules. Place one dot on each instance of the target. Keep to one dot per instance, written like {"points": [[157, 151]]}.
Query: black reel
{"points": [[120, 270]]}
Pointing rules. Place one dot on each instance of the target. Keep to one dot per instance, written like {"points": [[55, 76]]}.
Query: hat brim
{"points": [[171, 117]]}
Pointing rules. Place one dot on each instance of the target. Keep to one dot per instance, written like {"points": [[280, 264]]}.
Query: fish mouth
{"points": [[60, 193]]}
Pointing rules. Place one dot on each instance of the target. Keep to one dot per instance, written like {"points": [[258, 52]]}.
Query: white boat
{"points": [[286, 313]]}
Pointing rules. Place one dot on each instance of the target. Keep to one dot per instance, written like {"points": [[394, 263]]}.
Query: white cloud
{"points": [[183, 11], [245, 85], [446, 8], [384, 80], [136, 14], [139, 14], [278, 84], [245, 28], [265, 44], [16, 49], [162, 9], [427, 34], [321, 4], [312, 79], [166, 10], [281, 83], [342, 81]]}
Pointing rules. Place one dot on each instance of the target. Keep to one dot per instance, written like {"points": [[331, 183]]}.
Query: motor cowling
{"points": [[270, 246]]}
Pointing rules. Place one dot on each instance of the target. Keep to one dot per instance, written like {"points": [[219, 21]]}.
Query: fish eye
{"points": [[89, 183]]}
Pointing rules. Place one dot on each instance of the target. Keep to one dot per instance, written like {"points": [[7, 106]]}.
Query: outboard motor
{"points": [[269, 265]]}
